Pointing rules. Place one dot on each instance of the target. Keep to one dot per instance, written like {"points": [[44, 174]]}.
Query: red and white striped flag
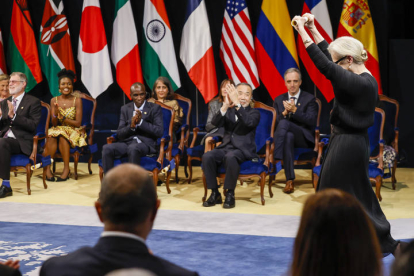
{"points": [[2, 59], [323, 23], [236, 47]]}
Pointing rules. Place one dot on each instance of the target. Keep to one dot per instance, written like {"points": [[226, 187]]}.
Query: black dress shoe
{"points": [[230, 201], [59, 179], [215, 198], [52, 179], [5, 191]]}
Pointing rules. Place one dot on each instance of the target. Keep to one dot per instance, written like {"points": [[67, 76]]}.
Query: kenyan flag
{"points": [[55, 49], [22, 45]]}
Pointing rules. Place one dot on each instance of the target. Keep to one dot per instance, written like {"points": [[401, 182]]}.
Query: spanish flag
{"points": [[356, 21], [275, 46]]}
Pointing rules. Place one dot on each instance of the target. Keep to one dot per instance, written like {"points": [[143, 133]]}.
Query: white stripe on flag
{"points": [[321, 13]]}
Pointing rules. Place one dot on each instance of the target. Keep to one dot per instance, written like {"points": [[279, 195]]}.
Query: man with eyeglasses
{"points": [[297, 112], [19, 116]]}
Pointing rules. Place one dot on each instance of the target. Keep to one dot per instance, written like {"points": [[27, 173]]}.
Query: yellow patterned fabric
{"points": [[179, 114], [75, 136]]}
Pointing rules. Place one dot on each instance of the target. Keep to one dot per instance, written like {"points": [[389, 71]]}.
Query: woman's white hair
{"points": [[348, 46]]}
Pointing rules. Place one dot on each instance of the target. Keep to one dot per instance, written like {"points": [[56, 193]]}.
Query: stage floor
{"points": [[71, 203]]}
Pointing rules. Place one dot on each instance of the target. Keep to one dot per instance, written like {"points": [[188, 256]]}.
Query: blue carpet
{"points": [[207, 253]]}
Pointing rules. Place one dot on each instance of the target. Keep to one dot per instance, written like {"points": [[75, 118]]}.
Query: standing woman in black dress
{"points": [[356, 92]]}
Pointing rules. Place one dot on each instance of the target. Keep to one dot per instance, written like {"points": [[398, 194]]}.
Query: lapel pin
{"points": [[298, 104], [145, 112]]}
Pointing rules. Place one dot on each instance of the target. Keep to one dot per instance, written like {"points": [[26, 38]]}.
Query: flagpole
{"points": [[196, 107], [314, 90]]}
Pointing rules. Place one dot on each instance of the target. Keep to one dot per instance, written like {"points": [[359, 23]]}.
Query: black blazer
{"points": [[110, 253], [149, 131], [25, 123], [305, 116], [240, 134]]}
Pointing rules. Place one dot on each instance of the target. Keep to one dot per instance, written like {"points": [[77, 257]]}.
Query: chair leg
{"points": [[155, 178], [190, 170], [271, 178], [205, 188], [100, 173], [28, 176], [177, 165], [44, 178], [89, 163], [15, 174], [54, 167], [185, 165], [262, 185], [167, 182], [315, 179], [75, 163], [378, 183], [393, 179]]}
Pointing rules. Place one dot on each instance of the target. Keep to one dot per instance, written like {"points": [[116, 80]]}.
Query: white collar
{"points": [[296, 95], [141, 107], [123, 235], [19, 98]]}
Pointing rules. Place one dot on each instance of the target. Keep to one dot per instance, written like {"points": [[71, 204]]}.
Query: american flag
{"points": [[236, 47]]}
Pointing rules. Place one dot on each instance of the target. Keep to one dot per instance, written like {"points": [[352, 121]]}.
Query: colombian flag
{"points": [[275, 46], [356, 21]]}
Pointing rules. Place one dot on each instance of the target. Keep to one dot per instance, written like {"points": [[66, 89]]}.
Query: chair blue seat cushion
{"points": [[317, 170], [196, 151], [175, 150], [148, 163], [374, 171], [21, 160], [248, 167], [304, 154]]}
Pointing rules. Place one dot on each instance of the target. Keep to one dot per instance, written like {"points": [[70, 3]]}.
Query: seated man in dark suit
{"points": [[239, 121], [297, 113], [127, 206], [19, 116], [139, 128]]}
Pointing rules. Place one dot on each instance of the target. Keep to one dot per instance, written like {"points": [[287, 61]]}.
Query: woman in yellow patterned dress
{"points": [[65, 132], [162, 91]]}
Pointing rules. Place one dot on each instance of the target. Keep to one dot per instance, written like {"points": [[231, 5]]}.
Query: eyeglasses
{"points": [[341, 59], [15, 81]]}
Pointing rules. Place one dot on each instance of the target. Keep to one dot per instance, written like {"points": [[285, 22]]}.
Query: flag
{"points": [[323, 23], [124, 51], [236, 46], [196, 50], [22, 53], [3, 69], [356, 21], [55, 49], [275, 46], [93, 52], [158, 47]]}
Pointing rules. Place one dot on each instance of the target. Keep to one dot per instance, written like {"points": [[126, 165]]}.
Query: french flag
{"points": [[196, 50], [323, 23]]}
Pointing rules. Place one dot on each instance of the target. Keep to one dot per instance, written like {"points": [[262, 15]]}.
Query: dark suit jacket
{"points": [[110, 253], [8, 271], [149, 131], [240, 134], [305, 116], [25, 123]]}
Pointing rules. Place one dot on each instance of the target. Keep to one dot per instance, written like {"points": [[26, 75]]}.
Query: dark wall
{"points": [[390, 19]]}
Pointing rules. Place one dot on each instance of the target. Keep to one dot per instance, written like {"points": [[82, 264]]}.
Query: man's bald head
{"points": [[127, 196]]}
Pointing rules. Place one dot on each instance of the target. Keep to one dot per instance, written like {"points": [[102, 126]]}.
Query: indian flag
{"points": [[125, 52], [158, 49]]}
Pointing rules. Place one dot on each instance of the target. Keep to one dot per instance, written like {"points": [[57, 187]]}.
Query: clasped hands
{"points": [[232, 97], [306, 19], [11, 110], [136, 118], [290, 107]]}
